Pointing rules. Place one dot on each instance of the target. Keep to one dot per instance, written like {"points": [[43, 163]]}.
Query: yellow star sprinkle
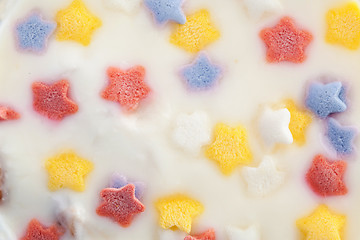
{"points": [[178, 211], [299, 121], [344, 26], [196, 33], [230, 148], [322, 224], [67, 170], [76, 23]]}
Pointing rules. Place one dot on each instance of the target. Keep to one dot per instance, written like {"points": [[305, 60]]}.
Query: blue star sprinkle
{"points": [[324, 99], [340, 137], [165, 10], [119, 181], [33, 32], [201, 74]]}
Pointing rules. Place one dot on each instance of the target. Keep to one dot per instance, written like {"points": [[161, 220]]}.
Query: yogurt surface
{"points": [[139, 144]]}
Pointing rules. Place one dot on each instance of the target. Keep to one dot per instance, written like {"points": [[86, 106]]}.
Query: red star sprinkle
{"points": [[126, 87], [7, 113], [285, 42], [120, 204], [52, 100], [36, 231], [208, 235], [325, 177]]}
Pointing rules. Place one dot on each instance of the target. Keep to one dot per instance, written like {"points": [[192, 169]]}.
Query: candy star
{"points": [[32, 33], [344, 26], [36, 231], [201, 74], [165, 10], [322, 224], [274, 127], [127, 6], [230, 148], [285, 42], [52, 101], [341, 138], [192, 131], [208, 235], [257, 8], [250, 233], [263, 179], [120, 204], [7, 113], [299, 121], [76, 23], [325, 99], [119, 181], [196, 33], [67, 170], [126, 87], [325, 177], [178, 211]]}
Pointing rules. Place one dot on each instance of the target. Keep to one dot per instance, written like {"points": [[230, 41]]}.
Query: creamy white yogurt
{"points": [[139, 144]]}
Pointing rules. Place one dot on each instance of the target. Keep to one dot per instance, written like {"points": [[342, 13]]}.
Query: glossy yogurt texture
{"points": [[139, 144]]}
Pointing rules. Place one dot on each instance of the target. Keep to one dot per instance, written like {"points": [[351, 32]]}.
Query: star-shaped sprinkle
{"points": [[36, 230], [67, 170], [322, 224], [201, 74], [192, 131], [33, 32], [70, 216], [52, 100], [344, 26], [340, 137], [126, 87], [285, 42], [325, 99], [76, 23], [207, 235], [250, 233], [7, 113], [196, 33], [230, 148], [120, 204], [274, 127], [325, 177], [178, 211], [263, 179], [258, 8], [299, 121], [165, 10], [127, 6], [119, 181]]}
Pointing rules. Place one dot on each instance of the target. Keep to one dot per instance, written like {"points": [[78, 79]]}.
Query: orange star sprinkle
{"points": [[285, 42]]}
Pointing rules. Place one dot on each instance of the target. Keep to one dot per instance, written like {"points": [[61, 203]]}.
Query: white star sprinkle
{"points": [[263, 179], [257, 8], [192, 131], [127, 6], [250, 233], [274, 127]]}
